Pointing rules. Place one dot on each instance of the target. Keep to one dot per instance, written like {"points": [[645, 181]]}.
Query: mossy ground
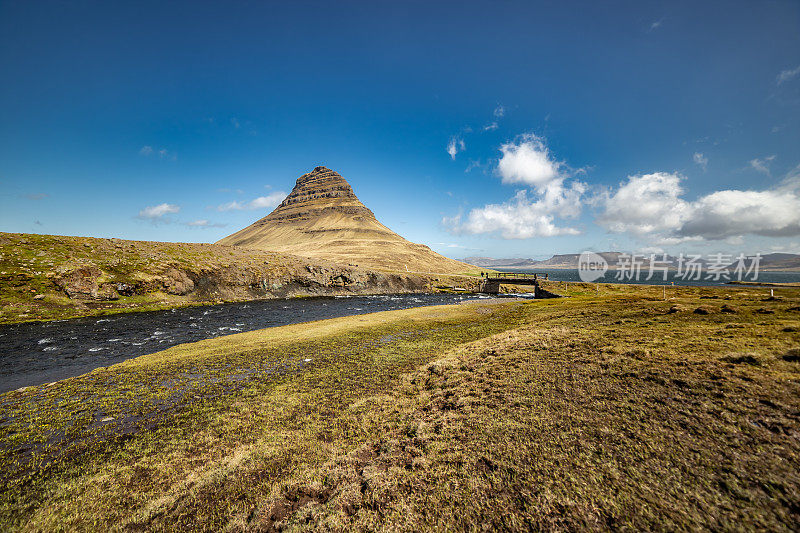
{"points": [[30, 265], [603, 410]]}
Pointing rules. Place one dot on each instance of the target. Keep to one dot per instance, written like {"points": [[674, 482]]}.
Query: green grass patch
{"points": [[608, 410]]}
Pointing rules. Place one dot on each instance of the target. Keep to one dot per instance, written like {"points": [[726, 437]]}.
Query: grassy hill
{"points": [[611, 409]]}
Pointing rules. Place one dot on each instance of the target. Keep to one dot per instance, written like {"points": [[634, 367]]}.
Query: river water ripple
{"points": [[41, 352]]}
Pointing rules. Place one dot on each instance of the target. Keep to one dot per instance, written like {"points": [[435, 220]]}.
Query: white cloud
{"points": [[762, 165], [455, 145], [789, 248], [205, 224], [787, 75], [723, 214], [232, 206], [474, 164], [528, 161], [163, 153], [656, 24], [158, 212], [645, 204], [270, 201], [523, 217], [533, 213], [262, 202], [498, 113], [652, 206], [701, 160]]}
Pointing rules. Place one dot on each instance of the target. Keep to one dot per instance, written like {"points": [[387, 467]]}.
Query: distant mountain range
{"points": [[557, 261], [769, 262]]}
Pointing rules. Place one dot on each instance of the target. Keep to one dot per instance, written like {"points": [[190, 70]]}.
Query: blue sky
{"points": [[505, 129]]}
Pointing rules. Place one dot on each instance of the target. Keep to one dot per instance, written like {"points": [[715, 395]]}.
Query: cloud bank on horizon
{"points": [[651, 208]]}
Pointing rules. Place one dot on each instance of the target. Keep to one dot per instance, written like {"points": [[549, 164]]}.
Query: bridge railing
{"points": [[519, 275]]}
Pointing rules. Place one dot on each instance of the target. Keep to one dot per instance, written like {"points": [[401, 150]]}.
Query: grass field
{"points": [[610, 409]]}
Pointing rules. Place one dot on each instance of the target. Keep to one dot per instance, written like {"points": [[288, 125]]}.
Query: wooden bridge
{"points": [[490, 284]]}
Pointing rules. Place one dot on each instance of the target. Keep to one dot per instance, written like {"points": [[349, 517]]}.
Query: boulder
{"points": [[704, 310], [340, 280], [177, 282], [107, 291], [123, 289], [80, 283]]}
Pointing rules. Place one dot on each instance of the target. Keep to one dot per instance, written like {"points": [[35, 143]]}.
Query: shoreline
{"points": [[764, 284]]}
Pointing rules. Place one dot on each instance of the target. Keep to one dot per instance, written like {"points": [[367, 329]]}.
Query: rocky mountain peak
{"points": [[323, 218], [319, 188]]}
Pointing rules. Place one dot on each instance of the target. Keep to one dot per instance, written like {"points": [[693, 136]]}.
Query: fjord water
{"points": [[41, 352], [571, 274]]}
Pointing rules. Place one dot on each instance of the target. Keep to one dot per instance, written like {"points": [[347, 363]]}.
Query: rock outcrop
{"points": [[240, 283], [323, 219], [83, 284]]}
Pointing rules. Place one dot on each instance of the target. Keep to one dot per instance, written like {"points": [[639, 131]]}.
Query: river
{"points": [[41, 352]]}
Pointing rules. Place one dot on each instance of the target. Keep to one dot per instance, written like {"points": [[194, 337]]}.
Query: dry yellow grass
{"points": [[611, 409]]}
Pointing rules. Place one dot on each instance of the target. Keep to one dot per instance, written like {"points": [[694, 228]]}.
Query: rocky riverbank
{"points": [[45, 277]]}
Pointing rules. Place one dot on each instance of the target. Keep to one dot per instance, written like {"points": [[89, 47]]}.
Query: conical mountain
{"points": [[322, 218]]}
